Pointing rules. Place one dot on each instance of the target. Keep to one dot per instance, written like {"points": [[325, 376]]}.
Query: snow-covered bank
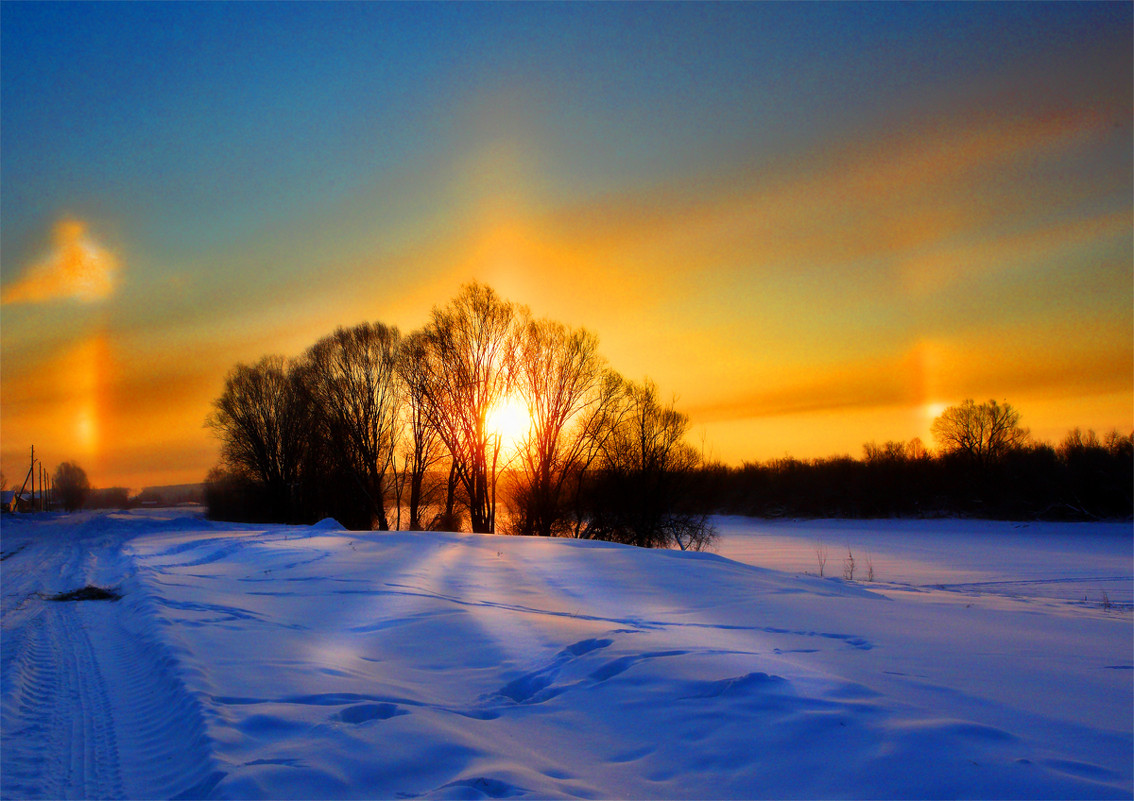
{"points": [[282, 661], [1073, 562]]}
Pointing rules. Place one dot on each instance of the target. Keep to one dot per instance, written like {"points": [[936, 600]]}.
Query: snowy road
{"points": [[90, 706], [280, 662]]}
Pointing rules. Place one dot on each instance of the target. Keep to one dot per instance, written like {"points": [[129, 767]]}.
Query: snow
{"points": [[313, 662]]}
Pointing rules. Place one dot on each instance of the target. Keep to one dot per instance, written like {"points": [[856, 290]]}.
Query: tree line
{"points": [[986, 465], [369, 423]]}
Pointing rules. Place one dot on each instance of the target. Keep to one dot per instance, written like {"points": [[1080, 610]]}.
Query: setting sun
{"points": [[510, 421]]}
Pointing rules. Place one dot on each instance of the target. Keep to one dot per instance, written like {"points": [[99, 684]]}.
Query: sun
{"points": [[934, 410], [510, 421]]}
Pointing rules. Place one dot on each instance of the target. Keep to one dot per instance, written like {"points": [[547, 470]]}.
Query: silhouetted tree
{"points": [[1097, 473], [352, 393], [468, 366], [641, 494], [983, 433], [892, 479], [71, 486], [573, 401], [263, 425], [1119, 445], [424, 450]]}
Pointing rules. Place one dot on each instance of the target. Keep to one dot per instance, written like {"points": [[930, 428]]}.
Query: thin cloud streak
{"points": [[899, 197], [931, 373]]}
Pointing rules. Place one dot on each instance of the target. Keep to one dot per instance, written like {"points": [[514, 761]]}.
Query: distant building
{"points": [[6, 498], [26, 503]]}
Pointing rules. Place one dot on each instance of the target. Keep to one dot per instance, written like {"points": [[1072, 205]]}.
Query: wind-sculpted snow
{"points": [[272, 662]]}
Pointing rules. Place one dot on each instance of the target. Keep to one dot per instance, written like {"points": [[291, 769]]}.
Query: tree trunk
{"points": [[451, 496], [415, 500], [378, 504]]}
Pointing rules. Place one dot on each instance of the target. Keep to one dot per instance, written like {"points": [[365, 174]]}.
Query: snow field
{"points": [[1072, 562], [290, 662]]}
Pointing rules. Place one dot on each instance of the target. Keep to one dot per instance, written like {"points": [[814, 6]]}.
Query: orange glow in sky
{"points": [[810, 236]]}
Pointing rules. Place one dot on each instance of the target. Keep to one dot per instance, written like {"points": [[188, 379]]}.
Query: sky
{"points": [[813, 225]]}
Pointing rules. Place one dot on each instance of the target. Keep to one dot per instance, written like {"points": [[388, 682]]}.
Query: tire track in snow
{"points": [[50, 752], [162, 737], [29, 729], [93, 704]]}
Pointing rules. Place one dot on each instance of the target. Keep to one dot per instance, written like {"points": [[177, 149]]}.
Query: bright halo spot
{"points": [[509, 420], [934, 410], [86, 429]]}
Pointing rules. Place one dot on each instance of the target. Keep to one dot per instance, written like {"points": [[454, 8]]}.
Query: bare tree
{"points": [[423, 450], [983, 433], [892, 451], [645, 474], [1078, 442], [72, 486], [916, 451], [572, 400], [821, 557], [1118, 444], [468, 364], [351, 384], [262, 423]]}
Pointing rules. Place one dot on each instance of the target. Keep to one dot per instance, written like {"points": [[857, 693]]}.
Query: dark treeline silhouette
{"points": [[981, 470], [369, 424]]}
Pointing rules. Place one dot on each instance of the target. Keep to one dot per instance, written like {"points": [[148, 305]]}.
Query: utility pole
{"points": [[30, 477]]}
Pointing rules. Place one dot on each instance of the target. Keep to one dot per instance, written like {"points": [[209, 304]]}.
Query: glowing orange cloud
{"points": [[76, 268]]}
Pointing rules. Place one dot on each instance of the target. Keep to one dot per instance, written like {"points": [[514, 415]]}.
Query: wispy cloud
{"points": [[896, 197], [77, 268], [933, 372]]}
